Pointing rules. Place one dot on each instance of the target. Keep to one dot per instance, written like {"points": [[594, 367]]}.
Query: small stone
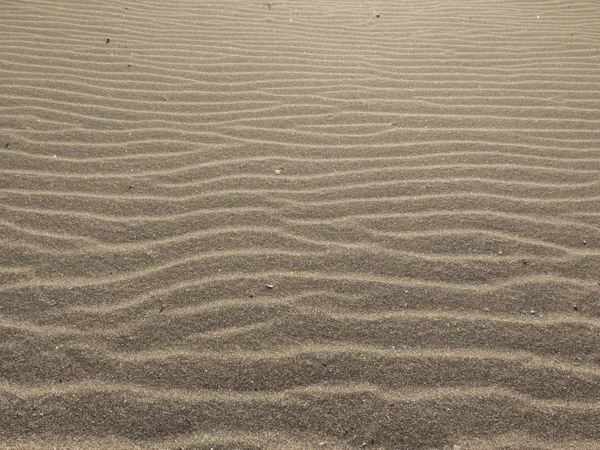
{"points": [[107, 40], [279, 170], [532, 312], [270, 286]]}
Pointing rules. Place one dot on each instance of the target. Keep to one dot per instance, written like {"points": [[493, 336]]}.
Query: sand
{"points": [[303, 224]]}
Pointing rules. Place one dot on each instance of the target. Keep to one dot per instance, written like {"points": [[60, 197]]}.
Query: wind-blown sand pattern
{"points": [[300, 224]]}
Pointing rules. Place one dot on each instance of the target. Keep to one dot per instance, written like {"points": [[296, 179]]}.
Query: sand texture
{"points": [[300, 224]]}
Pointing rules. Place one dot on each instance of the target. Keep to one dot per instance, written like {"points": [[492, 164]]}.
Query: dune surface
{"points": [[300, 224]]}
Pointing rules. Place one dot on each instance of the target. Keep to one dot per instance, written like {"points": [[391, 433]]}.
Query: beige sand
{"points": [[303, 224]]}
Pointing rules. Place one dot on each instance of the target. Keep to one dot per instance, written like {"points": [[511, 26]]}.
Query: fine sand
{"points": [[300, 224]]}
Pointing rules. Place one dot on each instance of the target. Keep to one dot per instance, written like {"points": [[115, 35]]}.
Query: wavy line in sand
{"points": [[182, 198], [94, 246], [526, 359], [336, 174], [70, 283], [294, 302], [229, 438], [291, 396]]}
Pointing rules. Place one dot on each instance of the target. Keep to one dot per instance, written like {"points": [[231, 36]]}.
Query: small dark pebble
{"points": [[129, 187], [376, 15], [162, 308], [524, 261], [107, 40], [575, 308], [7, 144]]}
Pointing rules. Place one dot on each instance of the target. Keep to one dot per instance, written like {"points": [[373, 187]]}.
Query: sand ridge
{"points": [[288, 224]]}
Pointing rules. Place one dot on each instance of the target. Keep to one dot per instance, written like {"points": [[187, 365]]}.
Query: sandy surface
{"points": [[304, 224]]}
